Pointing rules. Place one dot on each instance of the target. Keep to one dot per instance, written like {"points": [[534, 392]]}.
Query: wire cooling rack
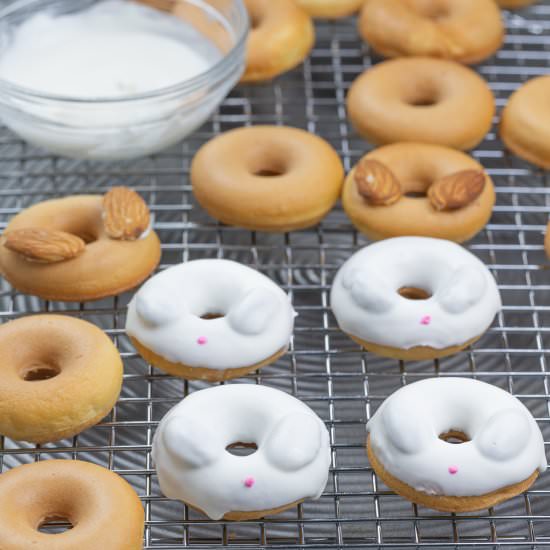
{"points": [[343, 384]]}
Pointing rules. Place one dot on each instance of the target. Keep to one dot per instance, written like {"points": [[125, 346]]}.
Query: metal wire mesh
{"points": [[343, 384]]}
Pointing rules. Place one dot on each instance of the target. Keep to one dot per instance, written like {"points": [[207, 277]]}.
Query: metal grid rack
{"points": [[324, 368]]}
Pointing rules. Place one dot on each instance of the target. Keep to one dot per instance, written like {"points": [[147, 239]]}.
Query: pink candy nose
{"points": [[426, 320], [249, 482], [202, 340], [453, 470]]}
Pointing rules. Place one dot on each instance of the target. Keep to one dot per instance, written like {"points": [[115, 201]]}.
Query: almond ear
{"points": [[254, 312], [294, 442], [194, 445], [504, 435], [464, 289]]}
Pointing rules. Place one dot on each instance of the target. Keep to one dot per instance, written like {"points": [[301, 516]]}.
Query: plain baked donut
{"points": [[498, 454], [421, 99], [281, 38], [104, 511], [210, 320], [330, 9], [59, 376], [466, 31], [514, 4], [414, 298], [525, 122], [267, 178], [439, 192], [291, 463], [68, 249]]}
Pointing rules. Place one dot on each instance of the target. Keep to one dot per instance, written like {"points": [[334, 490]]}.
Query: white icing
{"points": [[506, 445], [366, 302], [291, 463], [165, 315], [112, 49]]}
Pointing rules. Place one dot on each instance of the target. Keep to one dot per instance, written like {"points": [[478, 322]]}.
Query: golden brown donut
{"points": [[406, 208], [69, 255], [421, 99], [267, 178], [514, 4], [59, 376], [281, 38], [104, 510], [330, 9], [525, 123], [466, 31]]}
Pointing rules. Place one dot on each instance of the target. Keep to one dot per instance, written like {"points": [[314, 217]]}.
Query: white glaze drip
{"points": [[257, 322], [290, 464], [366, 301], [506, 445]]}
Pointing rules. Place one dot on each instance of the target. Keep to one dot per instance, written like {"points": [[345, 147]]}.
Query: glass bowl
{"points": [[133, 125]]}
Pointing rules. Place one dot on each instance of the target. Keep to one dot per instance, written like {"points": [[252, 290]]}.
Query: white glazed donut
{"points": [[501, 456], [253, 325], [291, 462], [369, 298]]}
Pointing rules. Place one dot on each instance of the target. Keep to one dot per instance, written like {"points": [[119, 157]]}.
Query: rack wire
{"points": [[342, 383]]}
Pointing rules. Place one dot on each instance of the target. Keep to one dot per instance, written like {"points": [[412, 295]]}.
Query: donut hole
{"points": [[241, 449], [416, 194], [211, 316], [414, 293], [270, 166], [423, 99], [436, 11], [454, 437], [54, 524], [40, 371]]}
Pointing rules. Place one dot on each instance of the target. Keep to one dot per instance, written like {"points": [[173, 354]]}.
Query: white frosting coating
{"points": [[291, 463], [506, 445], [464, 295], [165, 315]]}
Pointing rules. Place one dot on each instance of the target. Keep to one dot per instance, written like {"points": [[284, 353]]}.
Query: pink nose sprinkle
{"points": [[248, 482], [426, 320], [202, 340], [453, 470]]}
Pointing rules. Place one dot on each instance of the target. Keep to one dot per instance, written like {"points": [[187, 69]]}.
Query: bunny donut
{"points": [[291, 463], [210, 320], [414, 298], [455, 444]]}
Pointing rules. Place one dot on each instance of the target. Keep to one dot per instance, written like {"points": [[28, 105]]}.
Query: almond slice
{"points": [[126, 214], [456, 190], [376, 183], [43, 245]]}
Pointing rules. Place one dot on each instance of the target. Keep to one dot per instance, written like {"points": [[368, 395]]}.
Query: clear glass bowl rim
{"points": [[182, 88]]}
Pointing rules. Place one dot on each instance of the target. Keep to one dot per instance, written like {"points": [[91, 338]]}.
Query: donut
{"points": [[514, 4], [210, 320], [290, 463], [330, 9], [267, 178], [80, 248], [281, 38], [59, 376], [414, 298], [102, 508], [498, 448], [421, 99], [418, 189], [467, 31], [524, 126]]}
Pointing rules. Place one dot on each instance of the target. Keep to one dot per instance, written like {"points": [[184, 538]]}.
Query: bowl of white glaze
{"points": [[116, 79]]}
